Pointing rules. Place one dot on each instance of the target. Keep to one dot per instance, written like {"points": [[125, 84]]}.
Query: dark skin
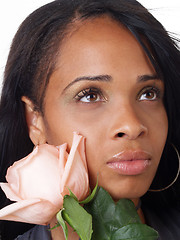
{"points": [[105, 88]]}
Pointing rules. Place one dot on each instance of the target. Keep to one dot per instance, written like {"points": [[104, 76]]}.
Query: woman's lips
{"points": [[130, 162]]}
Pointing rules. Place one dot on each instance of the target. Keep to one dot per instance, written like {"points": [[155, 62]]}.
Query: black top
{"points": [[166, 221], [38, 232]]}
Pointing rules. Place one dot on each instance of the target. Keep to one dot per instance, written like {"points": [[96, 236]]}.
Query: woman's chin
{"points": [[125, 192]]}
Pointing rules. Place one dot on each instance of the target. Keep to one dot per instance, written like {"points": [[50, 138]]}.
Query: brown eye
{"points": [[93, 97], [90, 95], [150, 94]]}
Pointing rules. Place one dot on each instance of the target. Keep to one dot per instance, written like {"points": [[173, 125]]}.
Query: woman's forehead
{"points": [[100, 47], [98, 33]]}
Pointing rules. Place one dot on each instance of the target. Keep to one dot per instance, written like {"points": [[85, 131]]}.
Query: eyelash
{"points": [[151, 89], [90, 91], [95, 91]]}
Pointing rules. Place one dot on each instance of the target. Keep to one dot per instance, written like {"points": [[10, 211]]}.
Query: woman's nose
{"points": [[127, 123]]}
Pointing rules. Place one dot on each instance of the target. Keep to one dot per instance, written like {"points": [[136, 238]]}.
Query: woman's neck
{"points": [[137, 203], [141, 215]]}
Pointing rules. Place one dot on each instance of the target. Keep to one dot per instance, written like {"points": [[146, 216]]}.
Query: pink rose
{"points": [[39, 182]]}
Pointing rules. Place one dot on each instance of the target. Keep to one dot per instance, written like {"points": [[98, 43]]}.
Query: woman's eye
{"points": [[90, 96], [149, 94]]}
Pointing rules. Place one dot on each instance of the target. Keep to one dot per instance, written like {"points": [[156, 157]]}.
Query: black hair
{"points": [[32, 59]]}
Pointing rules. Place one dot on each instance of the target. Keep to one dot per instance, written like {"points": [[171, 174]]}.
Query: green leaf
{"points": [[61, 221], [77, 217], [91, 196], [109, 217], [56, 226], [135, 231], [71, 194]]}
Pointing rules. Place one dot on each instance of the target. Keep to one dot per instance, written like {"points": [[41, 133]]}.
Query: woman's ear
{"points": [[35, 122]]}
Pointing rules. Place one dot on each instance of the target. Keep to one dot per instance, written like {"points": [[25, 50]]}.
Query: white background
{"points": [[13, 12]]}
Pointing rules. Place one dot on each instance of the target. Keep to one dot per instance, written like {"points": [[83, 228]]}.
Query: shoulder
{"points": [[38, 232], [164, 220]]}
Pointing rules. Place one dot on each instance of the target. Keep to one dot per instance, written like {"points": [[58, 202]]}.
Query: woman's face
{"points": [[105, 88]]}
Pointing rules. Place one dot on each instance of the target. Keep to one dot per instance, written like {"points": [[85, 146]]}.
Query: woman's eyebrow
{"points": [[108, 78], [147, 77], [103, 78]]}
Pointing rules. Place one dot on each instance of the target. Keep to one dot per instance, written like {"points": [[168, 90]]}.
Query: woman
{"points": [[108, 70]]}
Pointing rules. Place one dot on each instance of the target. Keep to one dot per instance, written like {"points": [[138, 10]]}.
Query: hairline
{"points": [[72, 27]]}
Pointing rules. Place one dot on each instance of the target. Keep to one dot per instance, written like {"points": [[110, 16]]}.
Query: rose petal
{"points": [[38, 175], [12, 173], [75, 176], [29, 211], [9, 192], [38, 180], [63, 155]]}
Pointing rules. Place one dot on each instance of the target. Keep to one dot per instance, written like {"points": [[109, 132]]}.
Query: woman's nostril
{"points": [[120, 134]]}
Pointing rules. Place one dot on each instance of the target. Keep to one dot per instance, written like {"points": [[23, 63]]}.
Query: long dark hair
{"points": [[32, 59]]}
